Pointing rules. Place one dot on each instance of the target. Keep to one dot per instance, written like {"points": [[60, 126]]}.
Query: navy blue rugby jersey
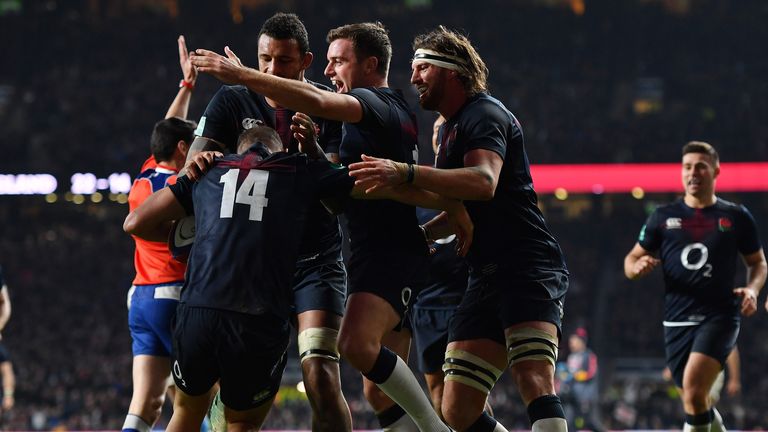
{"points": [[699, 250], [387, 130], [232, 110], [249, 216], [447, 271], [510, 230]]}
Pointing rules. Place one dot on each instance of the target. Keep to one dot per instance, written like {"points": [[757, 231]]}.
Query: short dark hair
{"points": [[282, 26], [369, 39], [167, 133], [702, 147], [259, 133], [474, 73]]}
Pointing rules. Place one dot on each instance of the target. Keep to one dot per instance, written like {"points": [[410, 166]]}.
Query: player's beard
{"points": [[431, 99]]}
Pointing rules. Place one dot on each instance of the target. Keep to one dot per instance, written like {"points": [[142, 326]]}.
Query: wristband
{"points": [[411, 174], [187, 84], [8, 393]]}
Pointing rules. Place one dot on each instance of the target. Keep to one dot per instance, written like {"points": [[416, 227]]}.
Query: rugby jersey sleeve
{"points": [[375, 109], [330, 180], [330, 136], [650, 233], [219, 121], [182, 190], [748, 237], [485, 128]]}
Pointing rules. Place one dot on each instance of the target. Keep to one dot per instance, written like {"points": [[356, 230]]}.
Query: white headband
{"points": [[439, 59]]}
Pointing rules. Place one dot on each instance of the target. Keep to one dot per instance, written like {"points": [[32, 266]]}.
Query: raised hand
{"points": [[187, 69], [305, 132], [226, 69]]}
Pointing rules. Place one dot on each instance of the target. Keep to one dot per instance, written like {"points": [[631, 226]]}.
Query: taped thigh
{"points": [[318, 342], [471, 370], [531, 344]]}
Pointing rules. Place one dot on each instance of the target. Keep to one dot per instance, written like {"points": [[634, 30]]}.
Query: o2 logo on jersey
{"points": [[689, 260], [251, 193]]}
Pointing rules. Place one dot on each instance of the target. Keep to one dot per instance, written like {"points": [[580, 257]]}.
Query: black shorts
{"points": [[5, 356], [496, 300], [429, 327], [396, 278], [320, 287], [715, 337], [247, 353]]}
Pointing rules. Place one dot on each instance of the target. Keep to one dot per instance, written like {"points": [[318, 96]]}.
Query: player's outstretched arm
{"points": [[476, 181], [180, 105], [756, 275], [152, 219], [457, 220], [291, 94], [639, 262]]}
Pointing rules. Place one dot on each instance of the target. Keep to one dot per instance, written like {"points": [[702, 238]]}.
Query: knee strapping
{"points": [[318, 342], [470, 370], [531, 344]]}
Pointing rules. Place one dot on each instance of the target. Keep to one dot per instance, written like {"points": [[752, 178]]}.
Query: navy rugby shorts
{"points": [[232, 347], [497, 299], [320, 287], [714, 337]]}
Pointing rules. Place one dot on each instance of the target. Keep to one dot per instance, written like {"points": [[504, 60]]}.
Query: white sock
{"points": [[134, 422], [698, 428], [499, 428], [403, 424], [402, 387], [717, 422], [554, 424]]}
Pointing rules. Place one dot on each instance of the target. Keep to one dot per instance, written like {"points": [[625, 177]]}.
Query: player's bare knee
{"points": [[696, 398], [320, 375], [360, 354], [533, 378]]}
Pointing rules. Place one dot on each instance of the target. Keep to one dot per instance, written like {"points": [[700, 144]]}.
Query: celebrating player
{"points": [[512, 310], [320, 279]]}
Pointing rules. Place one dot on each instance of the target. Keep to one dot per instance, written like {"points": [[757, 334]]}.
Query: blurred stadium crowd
{"points": [[617, 81]]}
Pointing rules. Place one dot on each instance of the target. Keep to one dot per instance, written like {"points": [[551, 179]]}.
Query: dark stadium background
{"points": [[592, 81]]}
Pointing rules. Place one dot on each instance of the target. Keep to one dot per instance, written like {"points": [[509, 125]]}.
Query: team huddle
{"points": [[456, 256]]}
